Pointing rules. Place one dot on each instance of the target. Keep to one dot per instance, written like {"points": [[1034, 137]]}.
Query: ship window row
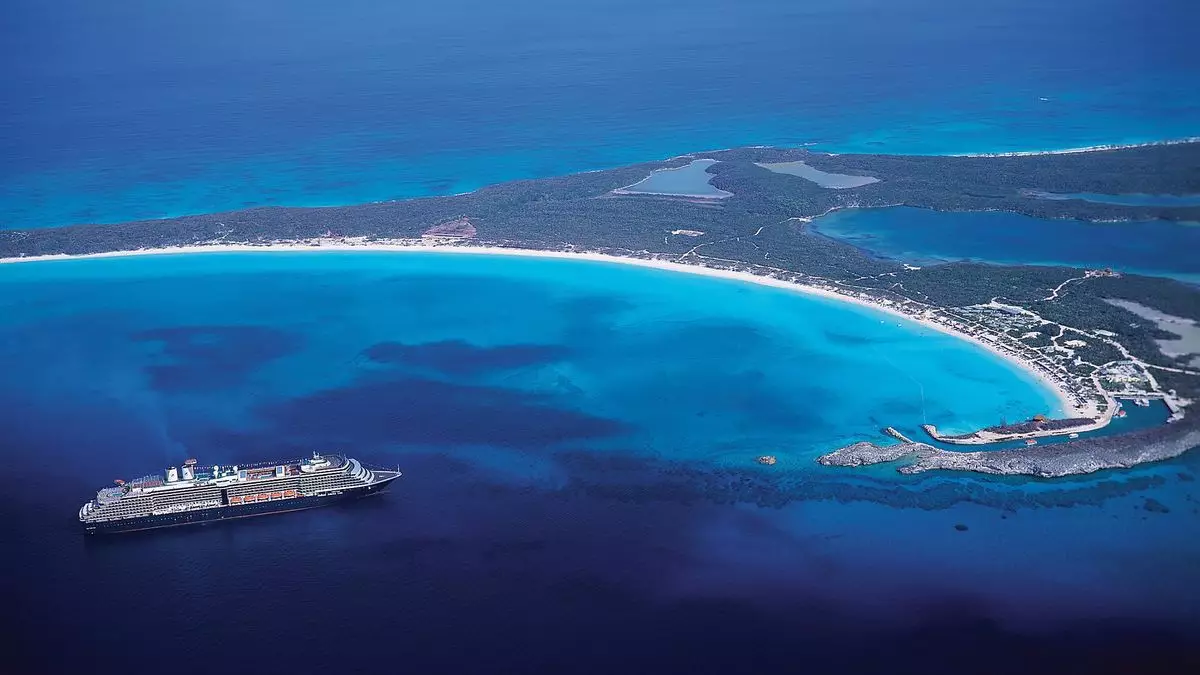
{"points": [[274, 486], [120, 511], [128, 508], [190, 496], [336, 481], [127, 505]]}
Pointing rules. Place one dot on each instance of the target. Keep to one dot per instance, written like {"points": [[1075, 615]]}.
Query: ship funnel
{"points": [[188, 472], [172, 474]]}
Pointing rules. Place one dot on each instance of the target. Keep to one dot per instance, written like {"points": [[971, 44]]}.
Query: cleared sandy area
{"points": [[833, 181], [1187, 330]]}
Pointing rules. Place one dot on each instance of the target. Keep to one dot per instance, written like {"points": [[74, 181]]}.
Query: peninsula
{"points": [[1070, 327]]}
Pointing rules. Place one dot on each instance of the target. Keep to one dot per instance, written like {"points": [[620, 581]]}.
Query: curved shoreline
{"points": [[1074, 151], [1064, 398]]}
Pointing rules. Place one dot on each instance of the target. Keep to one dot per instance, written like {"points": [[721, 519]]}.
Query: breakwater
{"points": [[1064, 459]]}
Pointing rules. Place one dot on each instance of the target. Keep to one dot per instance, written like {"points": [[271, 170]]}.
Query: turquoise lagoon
{"points": [[924, 236], [516, 393], [706, 369]]}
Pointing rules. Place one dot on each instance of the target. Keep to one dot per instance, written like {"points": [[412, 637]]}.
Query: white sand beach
{"points": [[1065, 399], [1073, 151]]}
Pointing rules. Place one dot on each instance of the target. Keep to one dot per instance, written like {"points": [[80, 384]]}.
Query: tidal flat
{"points": [[1186, 331], [834, 181]]}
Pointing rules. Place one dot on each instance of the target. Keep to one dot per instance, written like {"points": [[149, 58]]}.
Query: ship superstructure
{"points": [[195, 494]]}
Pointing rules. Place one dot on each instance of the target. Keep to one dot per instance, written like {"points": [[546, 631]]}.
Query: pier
{"points": [[1038, 427]]}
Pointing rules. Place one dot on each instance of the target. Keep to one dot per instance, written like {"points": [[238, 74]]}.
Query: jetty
{"points": [[1082, 456], [1039, 426]]}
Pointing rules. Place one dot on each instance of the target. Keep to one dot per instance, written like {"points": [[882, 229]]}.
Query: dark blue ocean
{"points": [[580, 491], [577, 439], [126, 109]]}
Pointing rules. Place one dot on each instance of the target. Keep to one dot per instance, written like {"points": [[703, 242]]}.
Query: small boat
{"points": [[1120, 413], [1073, 436], [1030, 441], [766, 460]]}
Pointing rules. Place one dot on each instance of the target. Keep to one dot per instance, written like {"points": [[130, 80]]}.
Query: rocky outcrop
{"points": [[864, 453]]}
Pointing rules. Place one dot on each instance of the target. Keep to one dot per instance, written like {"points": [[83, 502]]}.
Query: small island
{"points": [[734, 213]]}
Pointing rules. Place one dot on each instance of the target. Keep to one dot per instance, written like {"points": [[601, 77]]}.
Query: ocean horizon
{"points": [[219, 105]]}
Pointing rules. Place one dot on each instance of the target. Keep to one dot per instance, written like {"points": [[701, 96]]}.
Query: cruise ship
{"points": [[193, 494]]}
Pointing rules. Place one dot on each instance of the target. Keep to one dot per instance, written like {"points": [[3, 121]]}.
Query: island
{"points": [[1078, 330]]}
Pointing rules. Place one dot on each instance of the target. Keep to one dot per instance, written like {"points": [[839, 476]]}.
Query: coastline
{"points": [[1075, 151], [1064, 398]]}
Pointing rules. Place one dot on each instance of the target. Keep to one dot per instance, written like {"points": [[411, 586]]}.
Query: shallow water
{"points": [[1158, 247], [690, 180], [578, 443]]}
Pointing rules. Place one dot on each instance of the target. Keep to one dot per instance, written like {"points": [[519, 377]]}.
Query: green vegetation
{"points": [[764, 224]]}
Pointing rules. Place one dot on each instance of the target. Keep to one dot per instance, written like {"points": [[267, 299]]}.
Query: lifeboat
{"points": [[235, 500], [276, 495], [251, 498], [289, 493]]}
